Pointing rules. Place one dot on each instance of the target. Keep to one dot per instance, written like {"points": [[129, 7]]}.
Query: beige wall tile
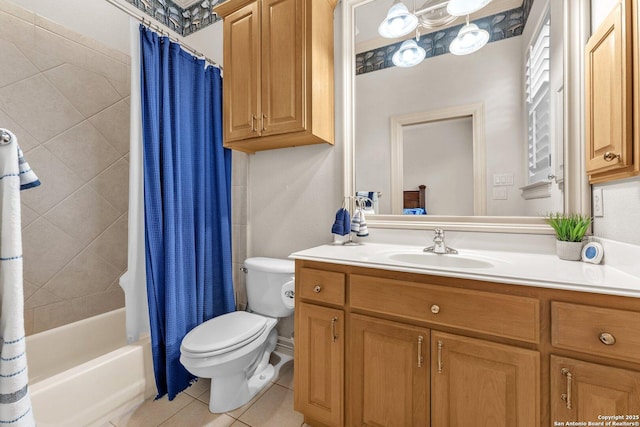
{"points": [[18, 12], [80, 39], [239, 204], [28, 322], [87, 91], [28, 215], [86, 274], [41, 298], [28, 289], [46, 250], [103, 302], [239, 168], [113, 124], [273, 409], [239, 243], [239, 285], [113, 185], [37, 106], [58, 314], [123, 86], [25, 139], [57, 181], [112, 244], [42, 54], [83, 150], [84, 215], [16, 30], [20, 68], [197, 414]]}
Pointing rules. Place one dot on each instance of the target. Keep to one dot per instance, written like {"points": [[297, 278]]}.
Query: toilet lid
{"points": [[224, 333]]}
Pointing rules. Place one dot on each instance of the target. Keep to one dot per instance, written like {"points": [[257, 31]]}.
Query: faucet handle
{"points": [[439, 232]]}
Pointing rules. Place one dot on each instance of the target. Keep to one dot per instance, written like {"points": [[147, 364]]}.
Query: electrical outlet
{"points": [[499, 193], [598, 203]]}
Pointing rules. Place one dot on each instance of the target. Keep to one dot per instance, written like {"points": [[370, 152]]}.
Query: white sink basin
{"points": [[426, 259]]}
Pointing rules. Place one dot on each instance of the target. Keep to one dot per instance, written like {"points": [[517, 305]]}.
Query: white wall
{"points": [[621, 199], [440, 156], [492, 76]]}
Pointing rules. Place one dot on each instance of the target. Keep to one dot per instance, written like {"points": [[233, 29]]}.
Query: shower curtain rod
{"points": [[160, 30]]}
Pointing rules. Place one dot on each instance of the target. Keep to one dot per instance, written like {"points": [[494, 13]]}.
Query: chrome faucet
{"points": [[439, 246]]}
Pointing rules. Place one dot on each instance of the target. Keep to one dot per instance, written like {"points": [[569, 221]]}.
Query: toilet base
{"points": [[221, 401], [227, 396]]}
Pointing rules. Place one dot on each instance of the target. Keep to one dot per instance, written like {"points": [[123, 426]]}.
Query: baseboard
{"points": [[285, 345]]}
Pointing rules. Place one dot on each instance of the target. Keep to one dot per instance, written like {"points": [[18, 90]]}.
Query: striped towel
{"points": [[15, 403]]}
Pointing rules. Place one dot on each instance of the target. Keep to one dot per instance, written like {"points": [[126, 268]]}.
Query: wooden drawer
{"points": [[580, 327], [496, 314], [321, 286]]}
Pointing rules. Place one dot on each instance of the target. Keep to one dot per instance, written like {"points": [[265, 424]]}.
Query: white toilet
{"points": [[234, 349]]}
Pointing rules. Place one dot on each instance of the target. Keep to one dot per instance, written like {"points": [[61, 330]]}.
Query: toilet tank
{"points": [[265, 279]]}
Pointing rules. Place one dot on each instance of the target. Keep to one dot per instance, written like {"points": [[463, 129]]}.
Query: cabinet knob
{"points": [[435, 309], [609, 156], [317, 289], [607, 339]]}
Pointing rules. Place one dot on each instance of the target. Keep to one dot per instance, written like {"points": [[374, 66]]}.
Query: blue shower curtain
{"points": [[187, 186]]}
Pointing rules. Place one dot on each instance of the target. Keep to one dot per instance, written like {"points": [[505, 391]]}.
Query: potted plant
{"points": [[570, 230]]}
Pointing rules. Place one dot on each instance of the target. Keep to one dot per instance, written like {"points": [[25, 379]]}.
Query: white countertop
{"points": [[519, 268]]}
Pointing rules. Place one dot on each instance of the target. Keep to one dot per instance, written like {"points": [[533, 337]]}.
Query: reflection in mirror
{"points": [[516, 78]]}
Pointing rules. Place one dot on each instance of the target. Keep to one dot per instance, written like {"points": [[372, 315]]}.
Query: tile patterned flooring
{"points": [[273, 407]]}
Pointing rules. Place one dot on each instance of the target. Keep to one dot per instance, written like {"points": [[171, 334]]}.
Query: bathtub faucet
{"points": [[439, 246]]}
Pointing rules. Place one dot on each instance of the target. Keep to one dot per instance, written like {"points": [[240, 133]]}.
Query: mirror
{"points": [[373, 99]]}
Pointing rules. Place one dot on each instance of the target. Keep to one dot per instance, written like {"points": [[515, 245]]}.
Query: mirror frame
{"points": [[577, 192]]}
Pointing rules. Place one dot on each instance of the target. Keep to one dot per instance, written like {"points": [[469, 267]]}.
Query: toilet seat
{"points": [[223, 334]]}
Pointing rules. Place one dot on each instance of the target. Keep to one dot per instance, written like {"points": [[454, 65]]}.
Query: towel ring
{"points": [[5, 137]]}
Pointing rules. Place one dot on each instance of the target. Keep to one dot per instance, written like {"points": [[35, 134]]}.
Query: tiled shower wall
{"points": [[67, 99]]}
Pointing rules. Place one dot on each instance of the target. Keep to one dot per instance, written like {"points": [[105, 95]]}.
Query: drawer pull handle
{"points": [[608, 156], [607, 339], [435, 309], [317, 289], [567, 396], [264, 116], [440, 364], [420, 358], [334, 337]]}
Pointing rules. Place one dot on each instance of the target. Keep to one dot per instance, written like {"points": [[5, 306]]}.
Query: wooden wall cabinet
{"points": [[278, 73], [420, 350], [612, 150]]}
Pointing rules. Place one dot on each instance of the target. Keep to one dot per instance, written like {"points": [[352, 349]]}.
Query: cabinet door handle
{"points": [[264, 116], [334, 337], [609, 156], [420, 358], [254, 120], [435, 309], [567, 396], [440, 364], [607, 339], [317, 289]]}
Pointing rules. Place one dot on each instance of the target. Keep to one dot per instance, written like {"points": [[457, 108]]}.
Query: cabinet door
{"points": [[582, 391], [282, 72], [475, 382], [388, 373], [319, 373], [242, 69], [608, 93]]}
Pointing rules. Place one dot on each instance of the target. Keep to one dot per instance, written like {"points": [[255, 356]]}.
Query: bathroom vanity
{"points": [[386, 339]]}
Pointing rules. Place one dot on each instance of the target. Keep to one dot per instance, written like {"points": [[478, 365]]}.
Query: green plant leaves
{"points": [[569, 227]]}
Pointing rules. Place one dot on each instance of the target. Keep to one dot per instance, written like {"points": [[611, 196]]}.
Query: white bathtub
{"points": [[84, 373]]}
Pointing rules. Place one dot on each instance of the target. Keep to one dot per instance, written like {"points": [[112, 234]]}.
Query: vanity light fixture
{"points": [[465, 7], [399, 21], [470, 38], [409, 54]]}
